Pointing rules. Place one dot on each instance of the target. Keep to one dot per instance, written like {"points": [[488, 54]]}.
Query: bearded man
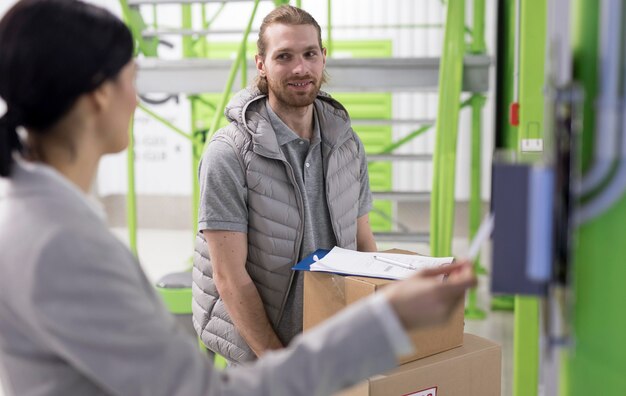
{"points": [[287, 176]]}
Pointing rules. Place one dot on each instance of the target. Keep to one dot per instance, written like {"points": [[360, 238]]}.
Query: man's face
{"points": [[293, 64]]}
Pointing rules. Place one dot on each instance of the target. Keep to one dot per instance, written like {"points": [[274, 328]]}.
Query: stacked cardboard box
{"points": [[326, 294], [469, 370], [445, 362]]}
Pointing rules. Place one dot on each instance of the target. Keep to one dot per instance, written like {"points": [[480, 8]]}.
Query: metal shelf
{"points": [[142, 2], [392, 121], [149, 33], [408, 237], [402, 196], [400, 157], [195, 76]]}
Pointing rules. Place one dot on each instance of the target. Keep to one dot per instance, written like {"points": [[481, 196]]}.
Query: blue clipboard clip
{"points": [[305, 263]]}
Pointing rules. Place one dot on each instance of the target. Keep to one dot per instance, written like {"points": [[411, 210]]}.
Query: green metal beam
{"points": [[329, 28], [187, 23], [408, 138], [596, 364], [196, 154], [414, 134], [526, 346], [532, 64], [244, 66], [132, 17], [450, 82], [241, 56], [472, 311], [165, 122], [131, 201], [477, 46]]}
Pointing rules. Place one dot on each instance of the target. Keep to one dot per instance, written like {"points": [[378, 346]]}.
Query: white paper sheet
{"points": [[350, 262]]}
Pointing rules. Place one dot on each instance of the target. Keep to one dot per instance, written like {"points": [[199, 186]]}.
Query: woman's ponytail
{"points": [[9, 142]]}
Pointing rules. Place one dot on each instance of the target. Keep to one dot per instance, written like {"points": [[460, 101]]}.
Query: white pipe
{"points": [[608, 105], [615, 190], [612, 193]]}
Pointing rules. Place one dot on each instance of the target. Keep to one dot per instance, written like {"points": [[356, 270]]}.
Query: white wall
{"points": [[164, 159], [407, 43]]}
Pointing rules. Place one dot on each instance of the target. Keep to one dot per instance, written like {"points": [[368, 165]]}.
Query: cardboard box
{"points": [[326, 294], [470, 370]]}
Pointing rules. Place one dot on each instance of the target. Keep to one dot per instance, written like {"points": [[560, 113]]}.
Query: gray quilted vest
{"points": [[275, 223]]}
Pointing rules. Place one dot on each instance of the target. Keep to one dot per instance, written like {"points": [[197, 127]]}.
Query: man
{"points": [[286, 177]]}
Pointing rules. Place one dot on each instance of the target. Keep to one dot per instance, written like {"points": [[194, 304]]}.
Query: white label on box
{"points": [[425, 392]]}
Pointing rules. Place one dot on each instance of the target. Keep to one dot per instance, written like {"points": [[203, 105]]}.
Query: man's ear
{"points": [[260, 64], [324, 55]]}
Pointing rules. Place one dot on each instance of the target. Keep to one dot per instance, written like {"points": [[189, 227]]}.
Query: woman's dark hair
{"points": [[52, 52]]}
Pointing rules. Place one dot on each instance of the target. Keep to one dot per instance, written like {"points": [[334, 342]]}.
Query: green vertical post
{"points": [[444, 159], [329, 28], [188, 52], [187, 24], [196, 154], [475, 215], [244, 64], [131, 202], [532, 75], [477, 46], [205, 25], [231, 77], [472, 311], [596, 364], [526, 346]]}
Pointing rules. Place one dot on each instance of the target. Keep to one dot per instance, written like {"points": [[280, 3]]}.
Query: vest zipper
{"points": [[330, 209], [299, 240]]}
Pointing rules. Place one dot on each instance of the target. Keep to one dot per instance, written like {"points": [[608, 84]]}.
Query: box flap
{"points": [[326, 288], [471, 344], [473, 369]]}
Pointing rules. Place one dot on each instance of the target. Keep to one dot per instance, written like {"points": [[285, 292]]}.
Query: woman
{"points": [[77, 315]]}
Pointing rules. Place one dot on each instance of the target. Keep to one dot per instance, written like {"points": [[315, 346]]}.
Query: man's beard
{"points": [[289, 98]]}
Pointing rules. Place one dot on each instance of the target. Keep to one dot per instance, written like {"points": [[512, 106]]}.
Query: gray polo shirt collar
{"points": [[285, 135]]}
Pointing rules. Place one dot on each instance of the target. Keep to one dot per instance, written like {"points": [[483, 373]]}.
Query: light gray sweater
{"points": [[79, 317]]}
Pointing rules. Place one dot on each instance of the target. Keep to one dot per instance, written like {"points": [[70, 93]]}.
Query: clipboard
{"points": [[305, 263]]}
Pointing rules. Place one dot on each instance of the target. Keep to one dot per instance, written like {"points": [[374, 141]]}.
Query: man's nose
{"points": [[299, 66]]}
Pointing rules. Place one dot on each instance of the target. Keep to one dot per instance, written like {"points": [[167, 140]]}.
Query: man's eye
{"points": [[282, 56]]}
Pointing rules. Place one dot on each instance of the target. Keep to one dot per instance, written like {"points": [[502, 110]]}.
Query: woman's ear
{"points": [[101, 97]]}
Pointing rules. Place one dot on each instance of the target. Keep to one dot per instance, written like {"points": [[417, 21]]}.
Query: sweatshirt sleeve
{"points": [[97, 312]]}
